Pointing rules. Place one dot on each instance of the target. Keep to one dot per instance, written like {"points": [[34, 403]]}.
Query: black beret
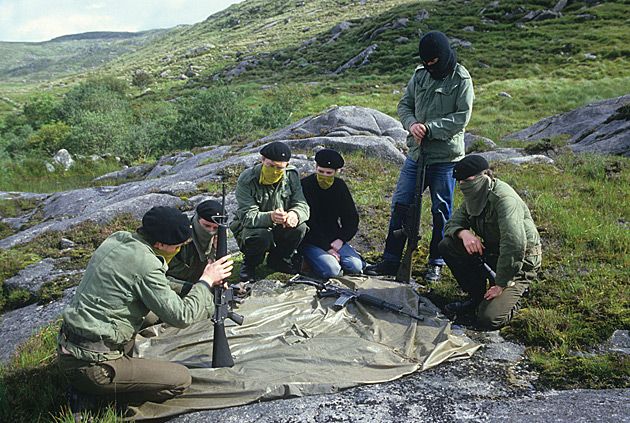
{"points": [[276, 151], [329, 158], [209, 209], [166, 225], [470, 166]]}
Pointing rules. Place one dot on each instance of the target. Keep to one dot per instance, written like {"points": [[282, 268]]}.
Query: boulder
{"points": [[472, 140], [64, 159], [346, 128], [32, 277], [125, 174], [601, 127]]}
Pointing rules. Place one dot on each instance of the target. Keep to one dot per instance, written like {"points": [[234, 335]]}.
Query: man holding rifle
{"points": [[435, 109], [125, 280], [494, 227]]}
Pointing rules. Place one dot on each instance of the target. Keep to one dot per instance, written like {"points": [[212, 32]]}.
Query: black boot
{"points": [[469, 305], [247, 273], [382, 268]]}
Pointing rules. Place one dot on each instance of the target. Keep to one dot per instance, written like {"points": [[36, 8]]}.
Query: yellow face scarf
{"points": [[325, 182], [270, 175], [167, 256]]}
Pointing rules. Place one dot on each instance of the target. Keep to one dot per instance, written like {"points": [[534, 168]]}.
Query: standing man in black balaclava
{"points": [[435, 109]]}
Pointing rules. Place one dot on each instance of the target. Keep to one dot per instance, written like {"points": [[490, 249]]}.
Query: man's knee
{"points": [[330, 269], [256, 241], [353, 265], [489, 318]]}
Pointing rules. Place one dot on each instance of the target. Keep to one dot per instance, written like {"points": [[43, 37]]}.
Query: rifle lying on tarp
{"points": [[411, 216], [345, 295], [221, 354]]}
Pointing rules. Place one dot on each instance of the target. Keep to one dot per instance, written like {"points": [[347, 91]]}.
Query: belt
{"points": [[99, 346]]}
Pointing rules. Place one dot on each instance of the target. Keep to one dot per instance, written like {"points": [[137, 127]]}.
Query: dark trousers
{"points": [[280, 242], [473, 280], [439, 179]]}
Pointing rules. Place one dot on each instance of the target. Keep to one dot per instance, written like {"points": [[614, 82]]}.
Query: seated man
{"points": [[188, 265], [271, 212], [495, 225], [124, 281], [334, 220]]}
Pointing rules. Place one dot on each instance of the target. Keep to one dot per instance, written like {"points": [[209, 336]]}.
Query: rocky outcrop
{"points": [[602, 127], [360, 59], [347, 129]]}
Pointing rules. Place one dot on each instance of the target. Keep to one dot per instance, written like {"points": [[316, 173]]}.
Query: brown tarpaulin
{"points": [[293, 343]]}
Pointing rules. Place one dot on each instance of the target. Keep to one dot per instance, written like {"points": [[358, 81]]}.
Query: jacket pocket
{"points": [[445, 99]]}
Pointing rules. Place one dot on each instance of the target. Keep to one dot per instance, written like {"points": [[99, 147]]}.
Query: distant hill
{"points": [[68, 54]]}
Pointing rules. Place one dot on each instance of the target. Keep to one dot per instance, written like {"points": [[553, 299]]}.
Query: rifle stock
{"points": [[221, 354], [413, 229]]}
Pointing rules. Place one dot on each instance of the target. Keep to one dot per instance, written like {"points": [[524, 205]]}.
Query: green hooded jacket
{"points": [[123, 281], [444, 107], [506, 227], [257, 201]]}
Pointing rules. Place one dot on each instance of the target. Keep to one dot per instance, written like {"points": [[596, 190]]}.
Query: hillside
{"points": [[68, 54]]}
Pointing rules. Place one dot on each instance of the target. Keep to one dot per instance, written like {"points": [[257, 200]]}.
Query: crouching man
{"points": [[494, 223], [271, 212], [124, 281]]}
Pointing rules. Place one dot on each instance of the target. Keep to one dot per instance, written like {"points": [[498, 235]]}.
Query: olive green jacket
{"points": [[506, 227], [257, 201], [444, 107], [188, 265], [124, 280]]}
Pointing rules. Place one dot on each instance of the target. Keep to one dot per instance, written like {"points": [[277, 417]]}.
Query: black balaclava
{"points": [[435, 44]]}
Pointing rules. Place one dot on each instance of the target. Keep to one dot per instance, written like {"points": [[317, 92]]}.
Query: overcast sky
{"points": [[41, 20]]}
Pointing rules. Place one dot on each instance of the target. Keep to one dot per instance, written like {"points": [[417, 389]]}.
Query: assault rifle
{"points": [[221, 354], [411, 223], [345, 295]]}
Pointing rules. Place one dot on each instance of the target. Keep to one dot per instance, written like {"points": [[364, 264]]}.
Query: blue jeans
{"points": [[326, 266], [439, 179]]}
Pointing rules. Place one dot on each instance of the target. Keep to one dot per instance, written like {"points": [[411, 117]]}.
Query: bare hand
{"points": [[292, 219], [336, 244], [217, 271], [335, 254], [493, 292], [418, 130], [472, 244], [279, 216]]}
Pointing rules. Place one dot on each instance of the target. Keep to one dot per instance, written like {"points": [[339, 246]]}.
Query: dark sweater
{"points": [[333, 213]]}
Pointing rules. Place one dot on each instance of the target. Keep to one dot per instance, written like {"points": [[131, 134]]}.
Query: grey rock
{"points": [[471, 139], [95, 158], [348, 128], [456, 42], [32, 277], [601, 127], [590, 56], [66, 243], [18, 325], [483, 65], [585, 17], [340, 27], [514, 155], [504, 94], [401, 40], [49, 167], [125, 174], [64, 159], [14, 195], [468, 28], [400, 23], [620, 342], [560, 5], [158, 170], [360, 59], [422, 15], [308, 43]]}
